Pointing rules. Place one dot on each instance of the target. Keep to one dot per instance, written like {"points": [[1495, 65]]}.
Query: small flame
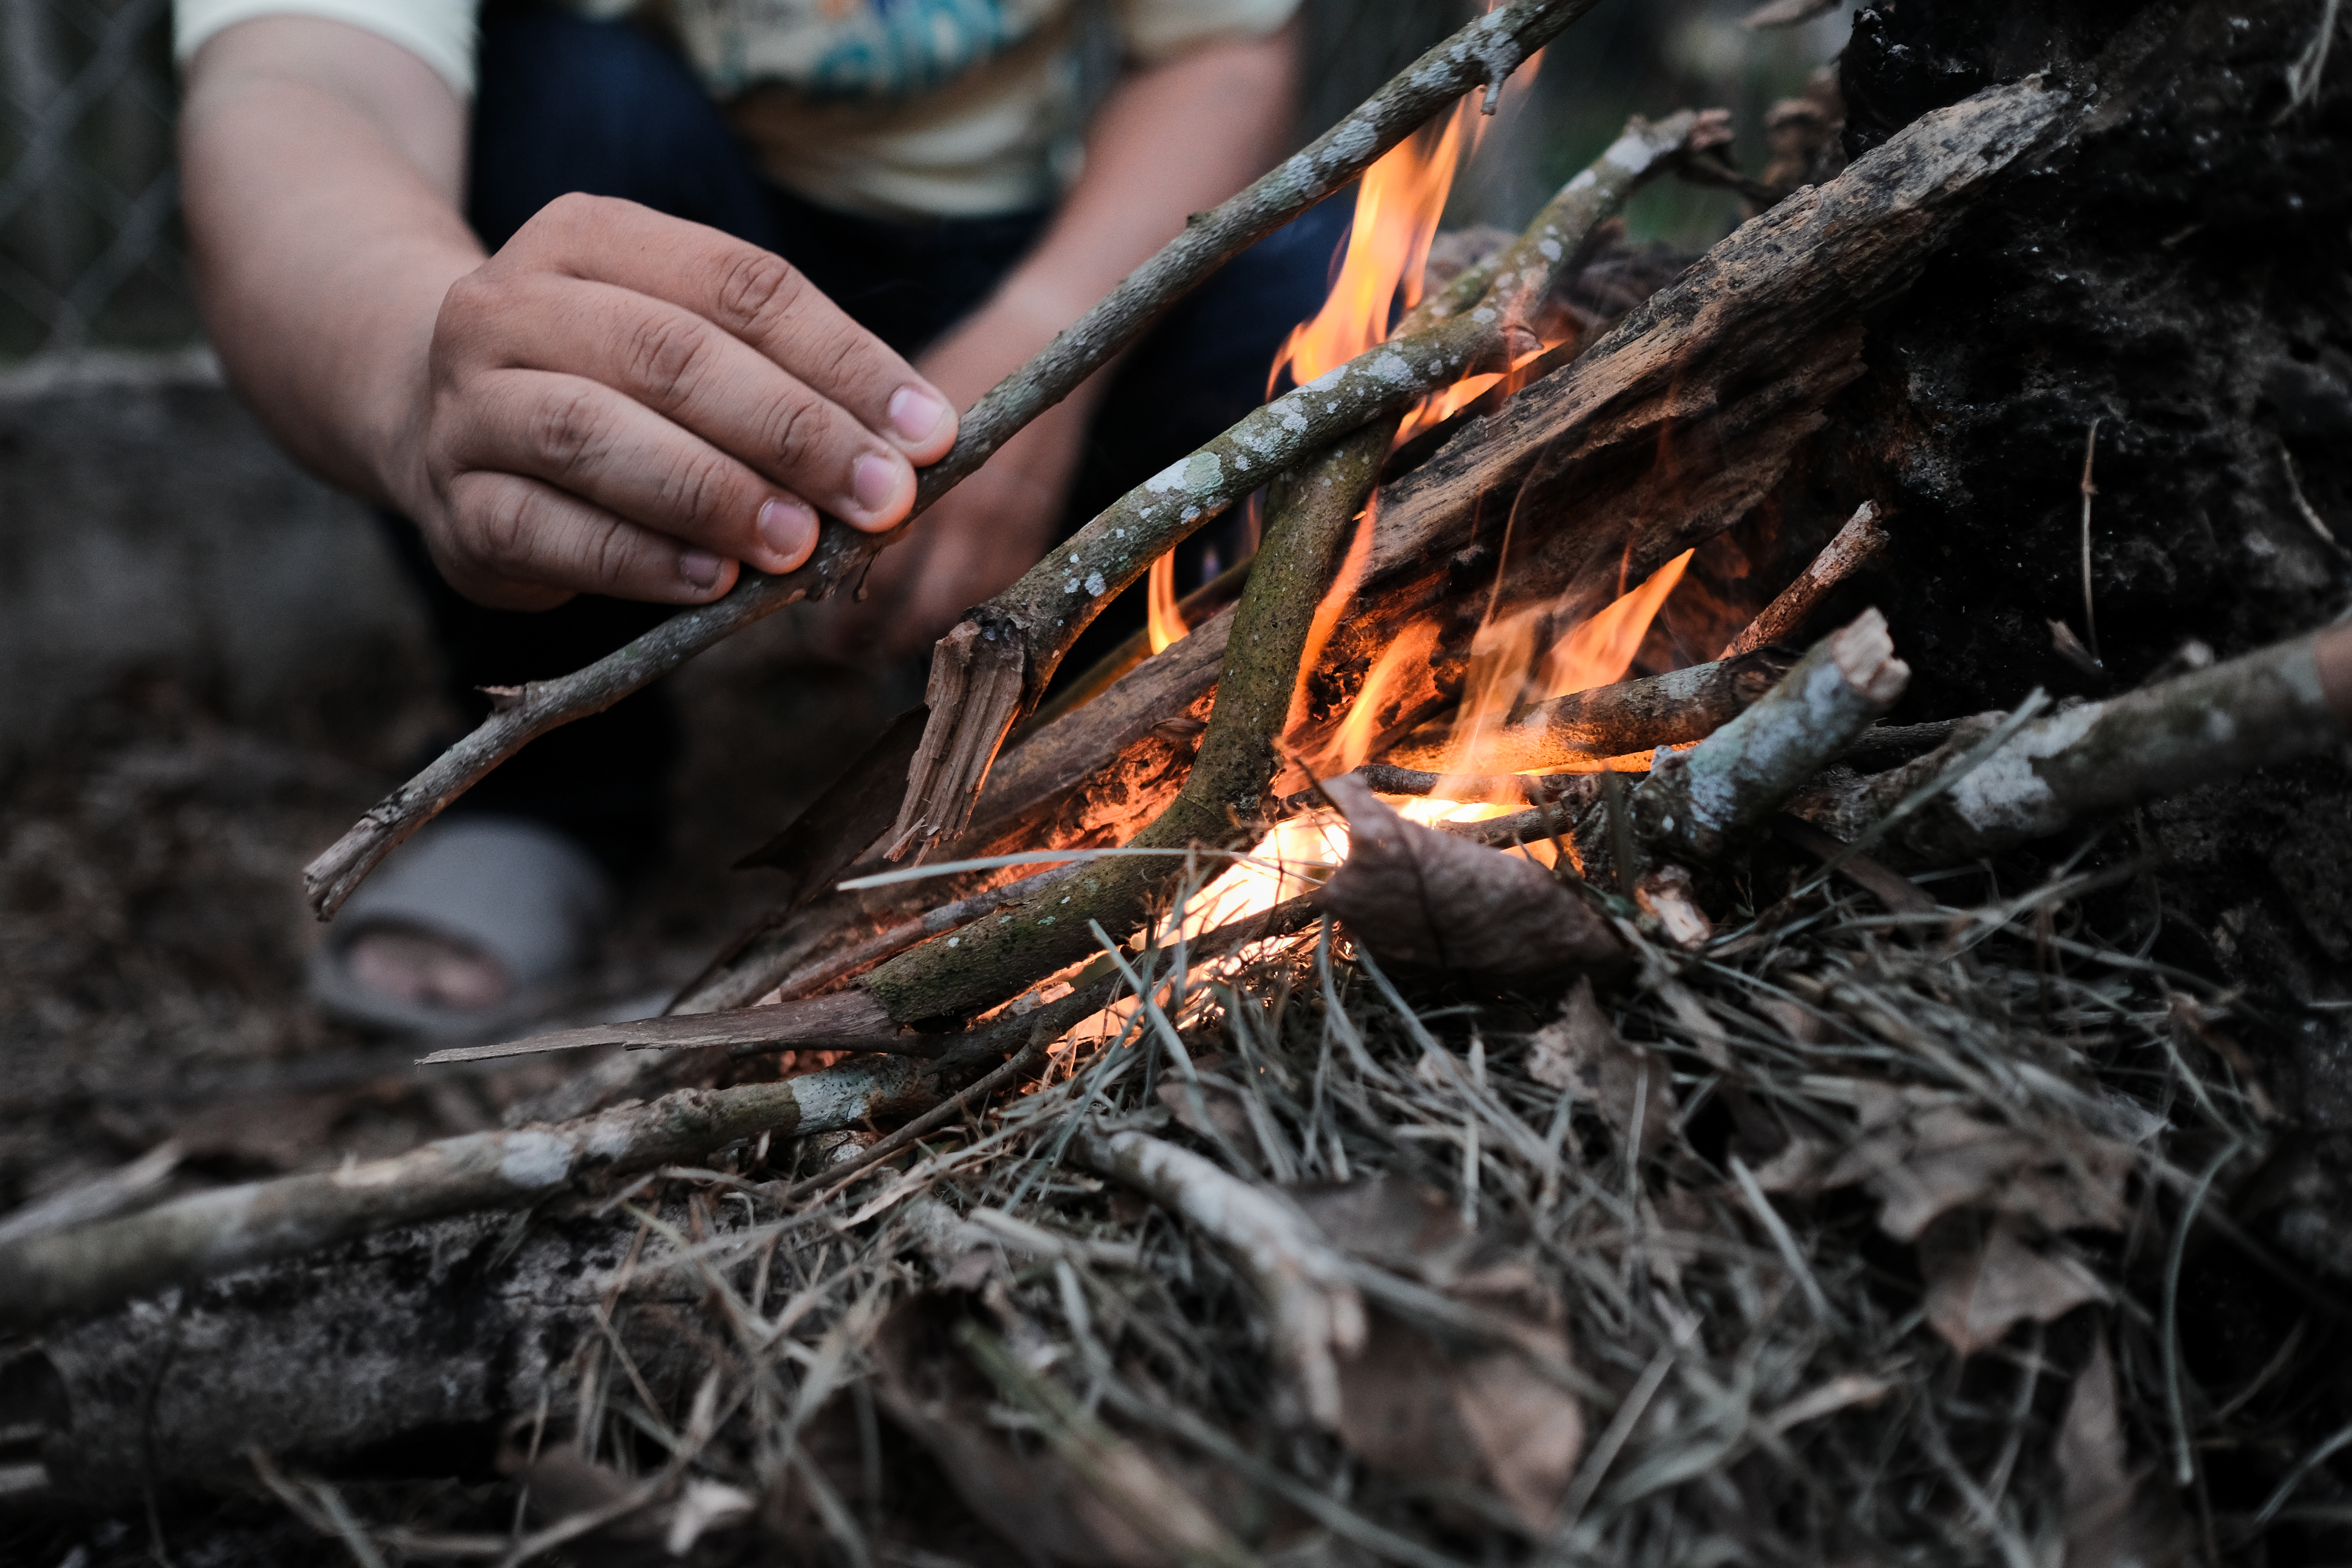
{"points": [[1164, 619], [1602, 649], [1352, 744]]}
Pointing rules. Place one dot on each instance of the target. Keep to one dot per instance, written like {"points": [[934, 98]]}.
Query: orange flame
{"points": [[1397, 208], [1352, 742], [1164, 619], [1602, 649]]}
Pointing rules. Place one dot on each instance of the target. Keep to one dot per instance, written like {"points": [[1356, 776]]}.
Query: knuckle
{"points": [[759, 286], [567, 429], [699, 489], [793, 430], [666, 356]]}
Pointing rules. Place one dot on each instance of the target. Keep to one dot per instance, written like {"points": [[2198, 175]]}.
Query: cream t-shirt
{"points": [[894, 108]]}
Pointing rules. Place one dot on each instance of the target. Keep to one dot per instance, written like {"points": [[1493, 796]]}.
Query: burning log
{"points": [[2292, 700], [996, 664], [1670, 709], [1696, 800], [1485, 51], [1668, 431]]}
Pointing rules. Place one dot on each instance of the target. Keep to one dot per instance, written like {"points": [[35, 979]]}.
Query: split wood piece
{"points": [[1309, 518], [1694, 801], [1854, 545], [844, 1022], [995, 664], [1670, 709], [211, 1232], [1485, 51], [2289, 700], [813, 850], [1681, 418], [1314, 1309]]}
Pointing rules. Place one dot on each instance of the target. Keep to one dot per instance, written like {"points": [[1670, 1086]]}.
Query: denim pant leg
{"points": [[566, 104]]}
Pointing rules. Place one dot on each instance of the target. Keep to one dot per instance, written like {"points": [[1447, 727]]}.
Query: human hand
{"points": [[979, 537], [627, 404]]}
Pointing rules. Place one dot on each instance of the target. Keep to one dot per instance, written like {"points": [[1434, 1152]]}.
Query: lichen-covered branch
{"points": [[1485, 51], [2291, 700], [87, 1269], [1696, 800], [1032, 625]]}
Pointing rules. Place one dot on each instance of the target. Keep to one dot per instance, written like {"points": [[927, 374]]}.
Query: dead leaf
{"points": [[2111, 1519], [1582, 1053], [1984, 1277], [1413, 1407], [1028, 1494], [1921, 1155], [1425, 899]]}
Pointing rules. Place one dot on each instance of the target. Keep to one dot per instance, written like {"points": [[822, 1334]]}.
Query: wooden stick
{"points": [[1670, 710], [1223, 801], [1696, 800], [2289, 700], [1314, 1307], [1857, 543], [86, 1270], [994, 665], [1487, 51]]}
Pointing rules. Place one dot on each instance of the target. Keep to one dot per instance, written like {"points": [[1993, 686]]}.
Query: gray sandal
{"points": [[514, 890]]}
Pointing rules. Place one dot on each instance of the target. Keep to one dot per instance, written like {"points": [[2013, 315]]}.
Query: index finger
{"points": [[759, 297]]}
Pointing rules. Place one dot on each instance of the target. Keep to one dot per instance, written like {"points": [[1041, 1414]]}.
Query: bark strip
{"points": [[1485, 51]]}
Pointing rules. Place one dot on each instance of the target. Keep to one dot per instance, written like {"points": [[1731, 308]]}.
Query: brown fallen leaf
{"points": [[1424, 899], [2112, 1519], [1580, 1052], [1413, 1407], [1026, 1493], [1921, 1155], [1984, 1277]]}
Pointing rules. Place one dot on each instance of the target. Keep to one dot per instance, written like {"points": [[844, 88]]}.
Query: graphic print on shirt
{"points": [[837, 50]]}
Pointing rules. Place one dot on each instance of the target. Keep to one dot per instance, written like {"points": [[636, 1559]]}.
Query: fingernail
{"points": [[788, 526], [699, 567], [915, 413], [874, 480]]}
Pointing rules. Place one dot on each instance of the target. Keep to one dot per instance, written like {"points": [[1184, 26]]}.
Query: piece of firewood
{"points": [[1670, 710], [1459, 331], [1856, 543], [1485, 51], [1677, 422], [2288, 701], [1694, 801]]}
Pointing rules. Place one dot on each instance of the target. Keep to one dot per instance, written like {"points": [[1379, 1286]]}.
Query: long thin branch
{"points": [[2291, 700], [993, 667], [218, 1232], [1486, 51]]}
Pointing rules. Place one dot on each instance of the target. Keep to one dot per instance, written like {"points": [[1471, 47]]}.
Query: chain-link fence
{"points": [[91, 250]]}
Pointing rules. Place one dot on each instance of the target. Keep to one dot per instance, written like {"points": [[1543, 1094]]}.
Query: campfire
{"points": [[1521, 1023]]}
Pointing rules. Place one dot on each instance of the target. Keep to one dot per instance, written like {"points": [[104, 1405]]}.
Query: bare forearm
{"points": [[325, 236]]}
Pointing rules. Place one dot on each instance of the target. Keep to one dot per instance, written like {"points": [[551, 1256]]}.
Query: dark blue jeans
{"points": [[572, 105]]}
